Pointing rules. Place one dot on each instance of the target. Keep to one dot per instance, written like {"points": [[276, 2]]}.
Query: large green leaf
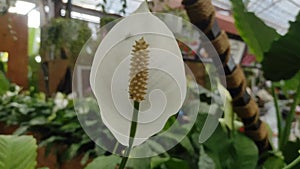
{"points": [[205, 162], [4, 84], [236, 151], [107, 162], [177, 163], [33, 43], [253, 30], [282, 61], [17, 152], [274, 162], [158, 161], [290, 84], [168, 163], [110, 162], [185, 142], [290, 152]]}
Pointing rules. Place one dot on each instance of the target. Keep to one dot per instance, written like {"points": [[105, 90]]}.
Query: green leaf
{"points": [[282, 61], [169, 163], [246, 152], [154, 146], [205, 162], [227, 152], [17, 152], [33, 44], [157, 161], [177, 163], [72, 151], [291, 84], [110, 162], [107, 162], [274, 162], [21, 130], [40, 120], [137, 163], [290, 152], [228, 111], [185, 142], [4, 83], [253, 30], [86, 157], [51, 140], [2, 68]]}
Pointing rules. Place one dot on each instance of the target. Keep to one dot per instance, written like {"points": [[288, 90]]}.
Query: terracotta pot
{"points": [[5, 129], [75, 163], [50, 160]]}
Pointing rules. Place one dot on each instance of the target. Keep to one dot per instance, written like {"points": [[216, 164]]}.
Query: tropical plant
{"points": [[107, 4], [33, 52], [280, 61], [55, 124], [17, 152], [52, 120], [236, 151], [4, 83], [55, 121], [63, 38]]}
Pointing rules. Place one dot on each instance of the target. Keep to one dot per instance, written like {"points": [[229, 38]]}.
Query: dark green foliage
{"points": [[236, 151], [253, 30], [63, 39], [290, 152], [53, 120], [279, 54], [274, 162], [4, 83], [17, 152], [282, 61]]}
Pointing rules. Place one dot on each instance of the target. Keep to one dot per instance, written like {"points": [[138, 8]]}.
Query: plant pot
{"points": [[5, 129]]}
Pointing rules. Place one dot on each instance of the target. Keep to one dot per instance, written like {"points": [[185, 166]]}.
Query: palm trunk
{"points": [[202, 14]]}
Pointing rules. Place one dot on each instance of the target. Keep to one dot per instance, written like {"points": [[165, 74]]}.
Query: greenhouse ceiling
{"points": [[275, 13], [111, 6]]}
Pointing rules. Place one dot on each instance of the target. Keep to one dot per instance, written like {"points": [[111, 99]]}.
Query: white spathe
{"points": [[109, 78]]}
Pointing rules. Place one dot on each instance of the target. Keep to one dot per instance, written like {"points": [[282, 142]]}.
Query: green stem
{"points": [[290, 117], [131, 135], [232, 122], [293, 163], [278, 115], [116, 147]]}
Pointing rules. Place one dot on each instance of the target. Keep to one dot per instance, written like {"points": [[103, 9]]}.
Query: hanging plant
{"points": [[280, 62], [63, 39], [5, 4], [106, 5]]}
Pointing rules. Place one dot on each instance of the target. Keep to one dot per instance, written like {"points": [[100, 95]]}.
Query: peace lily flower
{"points": [[138, 77], [60, 101]]}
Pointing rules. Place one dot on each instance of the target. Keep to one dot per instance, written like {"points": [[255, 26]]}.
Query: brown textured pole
{"points": [[202, 14]]}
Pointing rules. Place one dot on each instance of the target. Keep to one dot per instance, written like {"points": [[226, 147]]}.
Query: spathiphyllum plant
{"points": [[139, 71], [137, 87], [138, 78]]}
